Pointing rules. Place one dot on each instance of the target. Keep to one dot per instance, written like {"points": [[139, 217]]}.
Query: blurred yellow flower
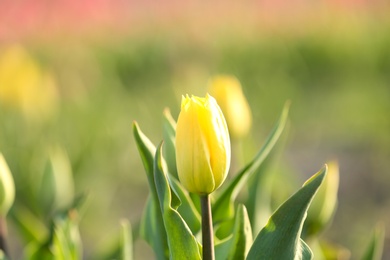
{"points": [[7, 187], [228, 93], [202, 145], [25, 85]]}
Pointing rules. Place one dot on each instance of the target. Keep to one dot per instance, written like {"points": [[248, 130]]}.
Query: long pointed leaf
{"points": [[237, 245], [126, 242], [374, 250], [224, 207], [323, 207], [307, 254], [66, 239], [146, 150], [169, 135], [242, 235], [187, 208], [31, 227], [259, 197], [280, 238], [152, 226], [182, 243]]}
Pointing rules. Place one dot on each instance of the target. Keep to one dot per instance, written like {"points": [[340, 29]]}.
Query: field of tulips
{"points": [[82, 117]]}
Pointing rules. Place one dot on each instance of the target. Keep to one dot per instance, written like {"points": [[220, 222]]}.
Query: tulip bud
{"points": [[202, 145], [228, 93], [324, 204], [7, 187], [55, 190]]}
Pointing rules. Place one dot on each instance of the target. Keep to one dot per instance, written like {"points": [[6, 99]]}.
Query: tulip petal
{"points": [[202, 145], [192, 156]]}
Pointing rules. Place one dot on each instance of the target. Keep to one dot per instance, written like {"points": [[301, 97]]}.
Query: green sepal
{"points": [[280, 238], [223, 207], [374, 250], [182, 243], [152, 226]]}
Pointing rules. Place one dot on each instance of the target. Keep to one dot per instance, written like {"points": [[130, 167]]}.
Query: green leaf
{"points": [[63, 241], [280, 238], [152, 225], [28, 224], [242, 235], [182, 243], [224, 229], [126, 242], [146, 150], [55, 189], [224, 205], [66, 238], [222, 248], [148, 225], [36, 251], [237, 245], [66, 244], [169, 135], [374, 250], [323, 207], [307, 254], [259, 196], [187, 208]]}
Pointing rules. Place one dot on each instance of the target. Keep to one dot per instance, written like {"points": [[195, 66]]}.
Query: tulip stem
{"points": [[3, 236], [207, 228]]}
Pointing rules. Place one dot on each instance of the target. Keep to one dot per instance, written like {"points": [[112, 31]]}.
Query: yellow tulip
{"points": [[25, 85], [7, 187], [228, 93], [202, 145]]}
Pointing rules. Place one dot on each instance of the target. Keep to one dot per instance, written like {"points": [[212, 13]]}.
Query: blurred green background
{"points": [[77, 81]]}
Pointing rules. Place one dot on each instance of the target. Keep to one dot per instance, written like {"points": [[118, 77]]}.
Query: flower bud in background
{"points": [[55, 188], [7, 187], [202, 145], [24, 85], [324, 204], [228, 93]]}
